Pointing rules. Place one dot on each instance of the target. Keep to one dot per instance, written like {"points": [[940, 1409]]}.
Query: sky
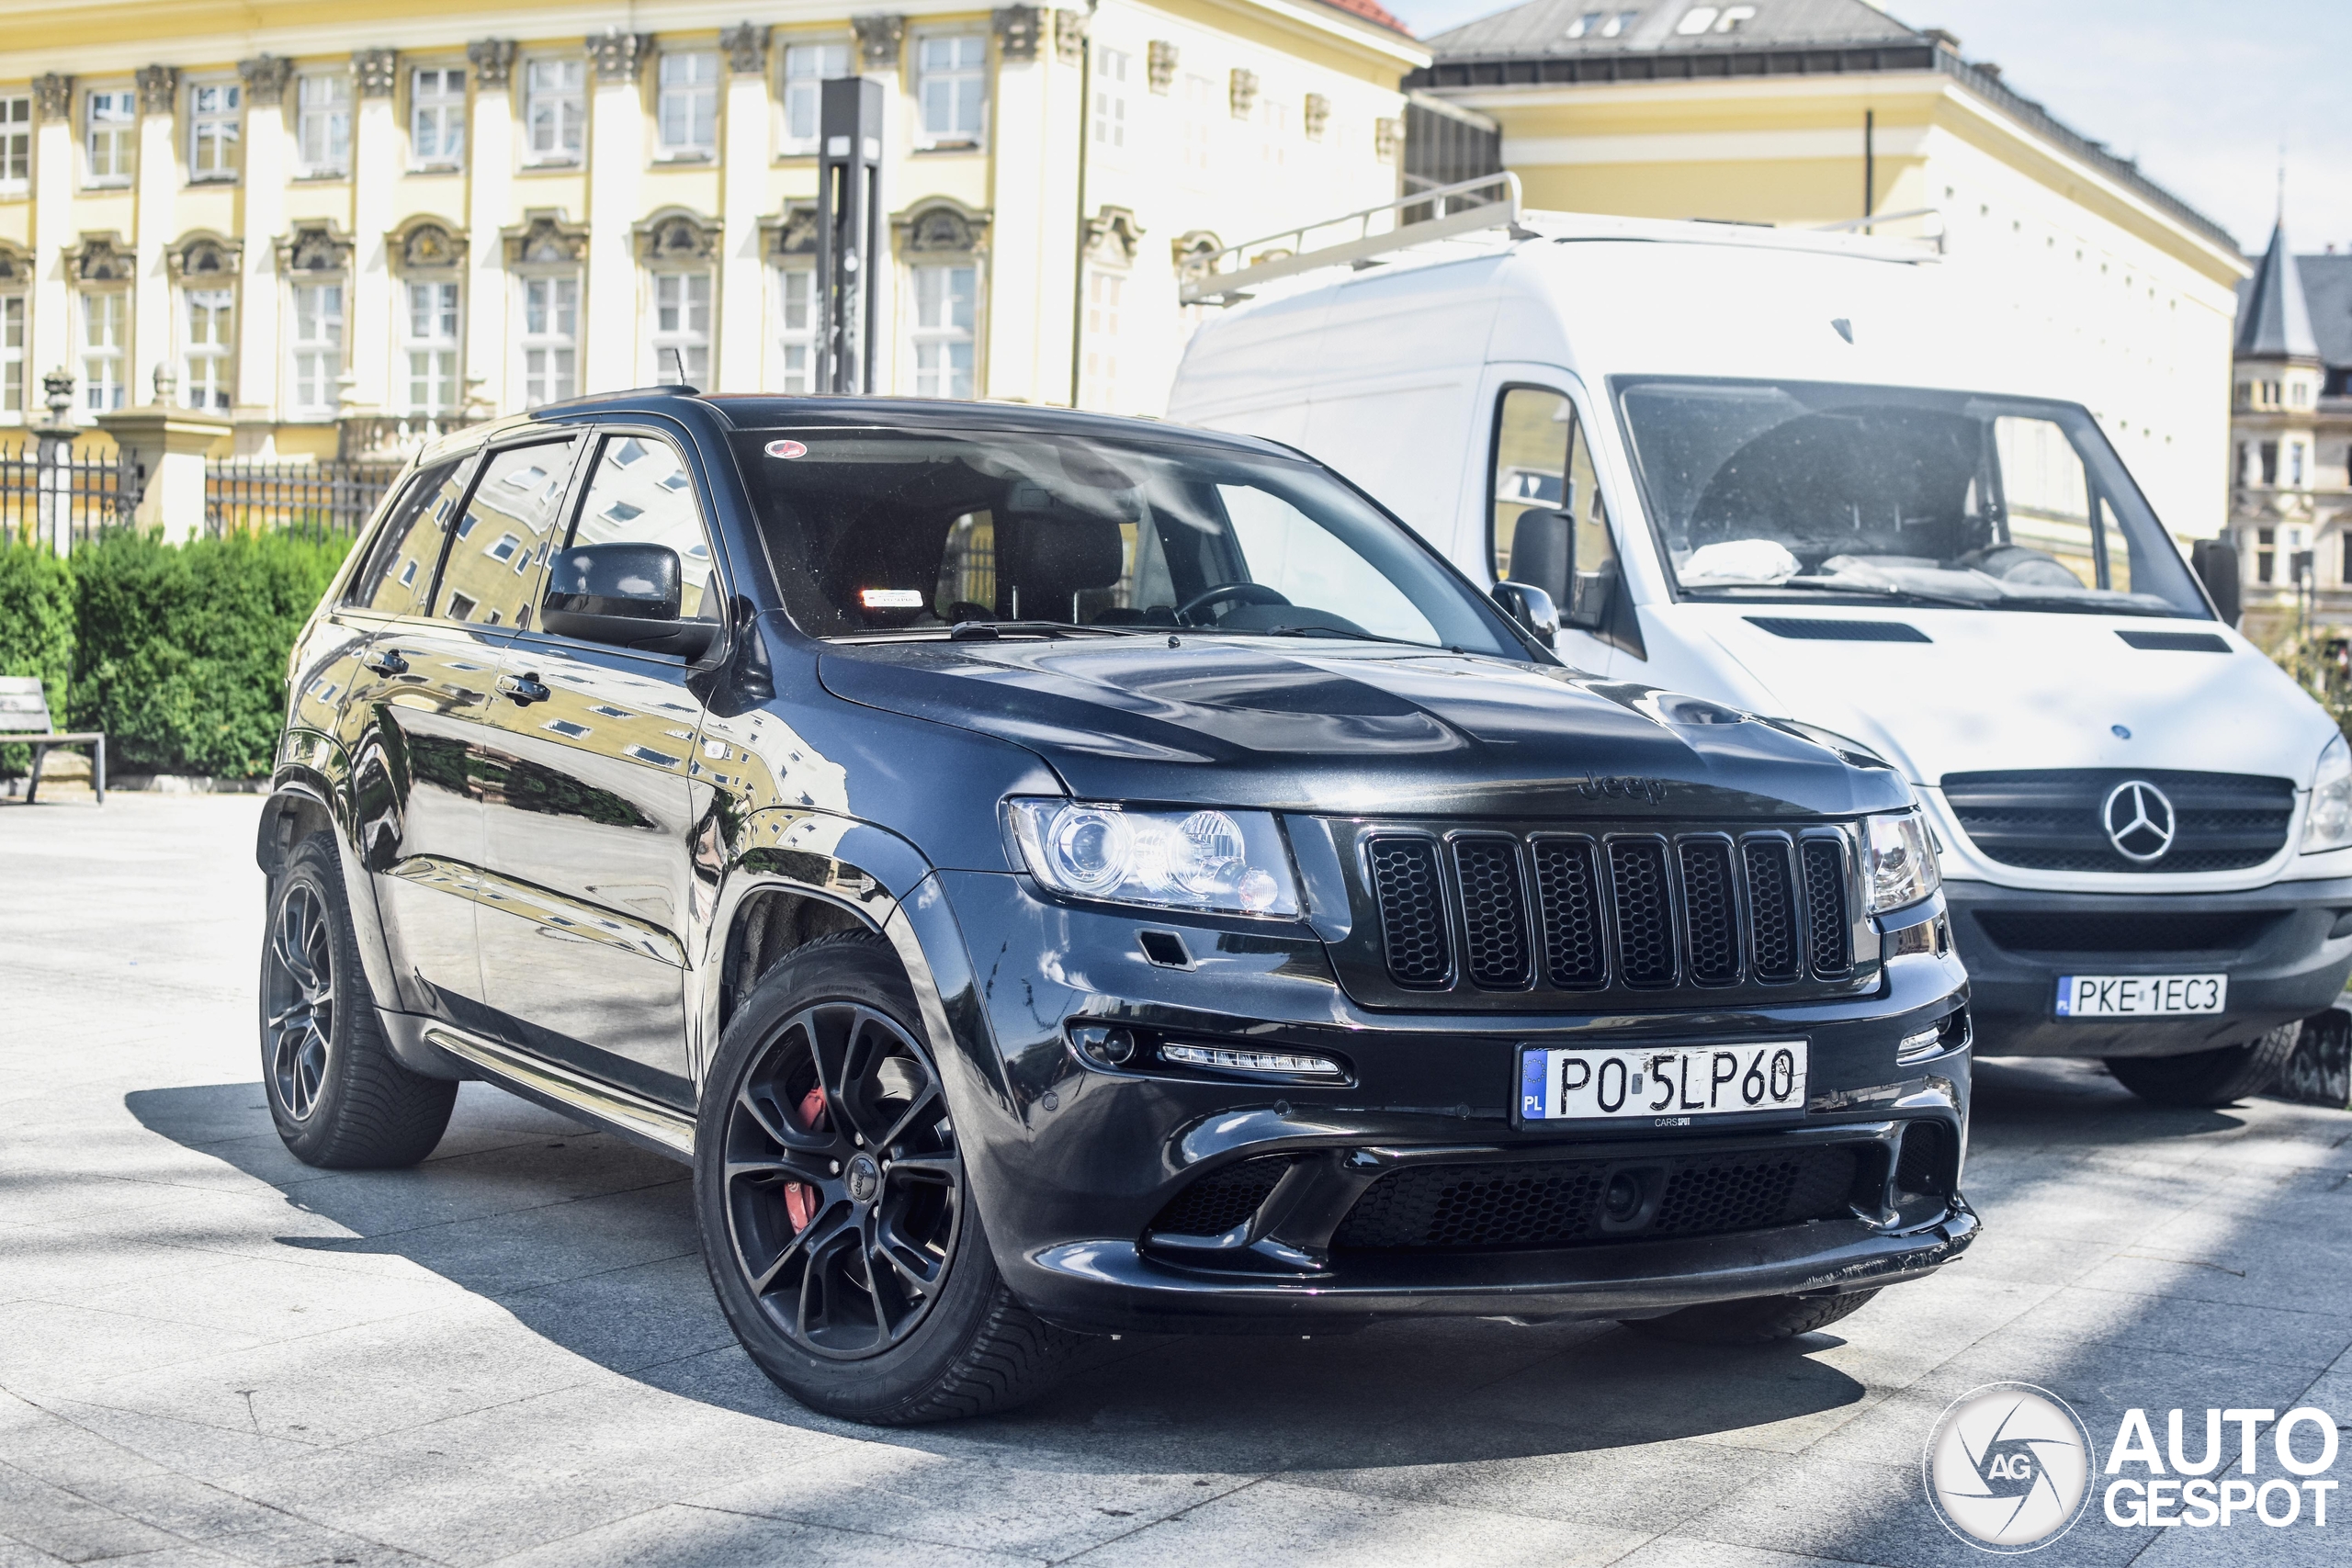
{"points": [[2204, 93]]}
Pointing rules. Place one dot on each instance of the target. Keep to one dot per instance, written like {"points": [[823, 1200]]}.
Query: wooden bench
{"points": [[25, 721]]}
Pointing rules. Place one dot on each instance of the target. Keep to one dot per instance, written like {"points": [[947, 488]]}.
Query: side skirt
{"points": [[661, 1128]]}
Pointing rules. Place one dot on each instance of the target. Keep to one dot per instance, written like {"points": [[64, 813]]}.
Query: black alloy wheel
{"points": [[298, 1001], [844, 1192]]}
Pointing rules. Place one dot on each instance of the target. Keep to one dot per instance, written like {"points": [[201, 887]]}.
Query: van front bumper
{"points": [[2286, 948]]}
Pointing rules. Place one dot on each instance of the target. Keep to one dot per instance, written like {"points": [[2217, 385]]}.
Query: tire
{"points": [[1759, 1320], [339, 1097], [2204, 1079], [869, 1293]]}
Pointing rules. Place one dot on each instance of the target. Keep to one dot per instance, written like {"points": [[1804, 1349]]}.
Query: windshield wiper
{"points": [[989, 631], [1831, 585], [1334, 631]]}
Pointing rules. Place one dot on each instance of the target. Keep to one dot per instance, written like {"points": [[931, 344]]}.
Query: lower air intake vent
{"points": [[1412, 912], [1222, 1199], [1926, 1164]]}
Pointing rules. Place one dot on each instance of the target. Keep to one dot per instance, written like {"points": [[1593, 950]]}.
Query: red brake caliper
{"points": [[802, 1201]]}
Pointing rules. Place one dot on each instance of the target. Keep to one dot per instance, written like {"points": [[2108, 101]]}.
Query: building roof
{"points": [[1371, 12], [1530, 45], [2274, 321]]}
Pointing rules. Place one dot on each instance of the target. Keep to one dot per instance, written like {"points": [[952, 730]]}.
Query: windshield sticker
{"points": [[787, 449], [889, 598]]}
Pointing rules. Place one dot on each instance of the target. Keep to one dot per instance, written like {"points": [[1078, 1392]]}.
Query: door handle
{"points": [[387, 662], [523, 689]]}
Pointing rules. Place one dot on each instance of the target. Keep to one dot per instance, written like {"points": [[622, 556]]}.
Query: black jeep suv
{"points": [[1054, 876]]}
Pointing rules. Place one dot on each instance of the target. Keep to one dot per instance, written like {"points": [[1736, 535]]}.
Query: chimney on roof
{"points": [[1941, 39]]}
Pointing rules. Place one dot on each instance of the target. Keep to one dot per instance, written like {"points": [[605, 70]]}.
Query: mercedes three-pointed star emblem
{"points": [[2139, 821]]}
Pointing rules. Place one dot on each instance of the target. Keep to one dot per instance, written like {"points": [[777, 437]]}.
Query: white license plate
{"points": [[2140, 996], [1655, 1086]]}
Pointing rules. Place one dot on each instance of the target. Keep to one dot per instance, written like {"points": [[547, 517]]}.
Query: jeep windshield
{"points": [[1778, 490], [879, 533]]}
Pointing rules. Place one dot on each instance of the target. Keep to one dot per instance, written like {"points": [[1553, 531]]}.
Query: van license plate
{"points": [[2140, 996], [1661, 1085]]}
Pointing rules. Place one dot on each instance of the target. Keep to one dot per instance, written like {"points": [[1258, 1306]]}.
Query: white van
{"points": [[1772, 468]]}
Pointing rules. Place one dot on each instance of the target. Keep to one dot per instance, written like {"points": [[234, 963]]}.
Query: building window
{"points": [[106, 335], [437, 116], [942, 329], [1200, 120], [681, 341], [551, 338], [322, 125], [2270, 462], [432, 348], [1111, 96], [951, 82], [12, 354], [112, 137], [1104, 294], [2295, 465], [2266, 559], [1273, 123], [208, 338], [555, 107], [689, 104], [796, 338], [16, 143], [215, 115], [318, 348], [805, 66]]}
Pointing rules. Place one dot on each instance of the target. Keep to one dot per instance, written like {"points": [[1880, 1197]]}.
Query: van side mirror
{"points": [[1543, 553], [2216, 561], [1531, 607], [626, 595]]}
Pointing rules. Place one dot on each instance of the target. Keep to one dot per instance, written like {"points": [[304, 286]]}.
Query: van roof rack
{"points": [[1225, 277]]}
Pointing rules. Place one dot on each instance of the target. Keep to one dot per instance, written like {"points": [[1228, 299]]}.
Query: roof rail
{"points": [[1225, 277], [1870, 225]]}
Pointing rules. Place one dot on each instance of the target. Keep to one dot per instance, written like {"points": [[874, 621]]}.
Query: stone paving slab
{"points": [[211, 1354]]}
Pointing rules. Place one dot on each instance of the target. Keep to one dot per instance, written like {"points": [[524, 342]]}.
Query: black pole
{"points": [[1077, 270], [1870, 163], [849, 162]]}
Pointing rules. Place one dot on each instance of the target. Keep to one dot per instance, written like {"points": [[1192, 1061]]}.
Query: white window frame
{"points": [[558, 85], [432, 346], [1273, 131], [322, 125], [104, 355], [808, 64], [14, 308], [216, 122], [1110, 116], [437, 117], [793, 344], [686, 104], [109, 136], [15, 144], [551, 295], [209, 366], [936, 341], [672, 304], [315, 357], [969, 67]]}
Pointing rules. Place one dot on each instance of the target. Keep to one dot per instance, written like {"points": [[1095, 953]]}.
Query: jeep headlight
{"points": [[1230, 862], [1901, 861], [2328, 825]]}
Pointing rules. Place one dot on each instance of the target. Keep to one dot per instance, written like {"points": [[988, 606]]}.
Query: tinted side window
{"points": [[505, 535], [641, 493], [398, 569], [1541, 459]]}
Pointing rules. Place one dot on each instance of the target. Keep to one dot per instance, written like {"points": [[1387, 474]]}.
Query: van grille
{"points": [[1491, 912], [2049, 819]]}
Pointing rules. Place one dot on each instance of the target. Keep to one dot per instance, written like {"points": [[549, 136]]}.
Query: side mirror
{"points": [[622, 594], [1542, 554], [2216, 561], [1531, 607]]}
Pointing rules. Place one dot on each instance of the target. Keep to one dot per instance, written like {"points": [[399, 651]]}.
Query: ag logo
{"points": [[2009, 1467], [2139, 820]]}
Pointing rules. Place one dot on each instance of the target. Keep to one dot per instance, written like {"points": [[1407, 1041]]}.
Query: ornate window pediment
{"points": [[941, 226], [314, 248], [99, 260], [676, 238], [792, 232], [15, 266], [205, 257], [426, 244], [1191, 250], [544, 239], [1112, 236]]}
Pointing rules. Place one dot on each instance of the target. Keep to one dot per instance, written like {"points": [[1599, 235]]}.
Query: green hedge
{"points": [[180, 651], [36, 631]]}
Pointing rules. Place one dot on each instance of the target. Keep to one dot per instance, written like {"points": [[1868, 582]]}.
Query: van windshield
{"points": [[1781, 489], [903, 532]]}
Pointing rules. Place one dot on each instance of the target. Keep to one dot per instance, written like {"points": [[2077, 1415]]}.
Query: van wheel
{"points": [[840, 1233], [339, 1097], [1759, 1320], [2208, 1078]]}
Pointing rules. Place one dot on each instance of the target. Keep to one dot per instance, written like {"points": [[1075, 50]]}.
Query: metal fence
{"points": [[87, 491], [316, 500]]}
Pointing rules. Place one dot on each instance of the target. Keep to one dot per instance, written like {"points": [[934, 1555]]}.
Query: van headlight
{"points": [[2328, 825], [1230, 862], [1902, 864]]}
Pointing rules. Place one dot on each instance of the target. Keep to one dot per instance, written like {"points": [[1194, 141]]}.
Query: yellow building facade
{"points": [[2097, 284], [336, 227]]}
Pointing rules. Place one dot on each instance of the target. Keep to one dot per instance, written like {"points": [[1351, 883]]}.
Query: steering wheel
{"points": [[1240, 592]]}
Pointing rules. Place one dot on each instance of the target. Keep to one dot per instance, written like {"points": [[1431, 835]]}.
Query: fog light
{"points": [[1222, 1059], [1111, 1047], [1622, 1200]]}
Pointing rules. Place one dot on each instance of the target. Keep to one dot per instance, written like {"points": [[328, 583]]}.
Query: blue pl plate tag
{"points": [[1534, 1076]]}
